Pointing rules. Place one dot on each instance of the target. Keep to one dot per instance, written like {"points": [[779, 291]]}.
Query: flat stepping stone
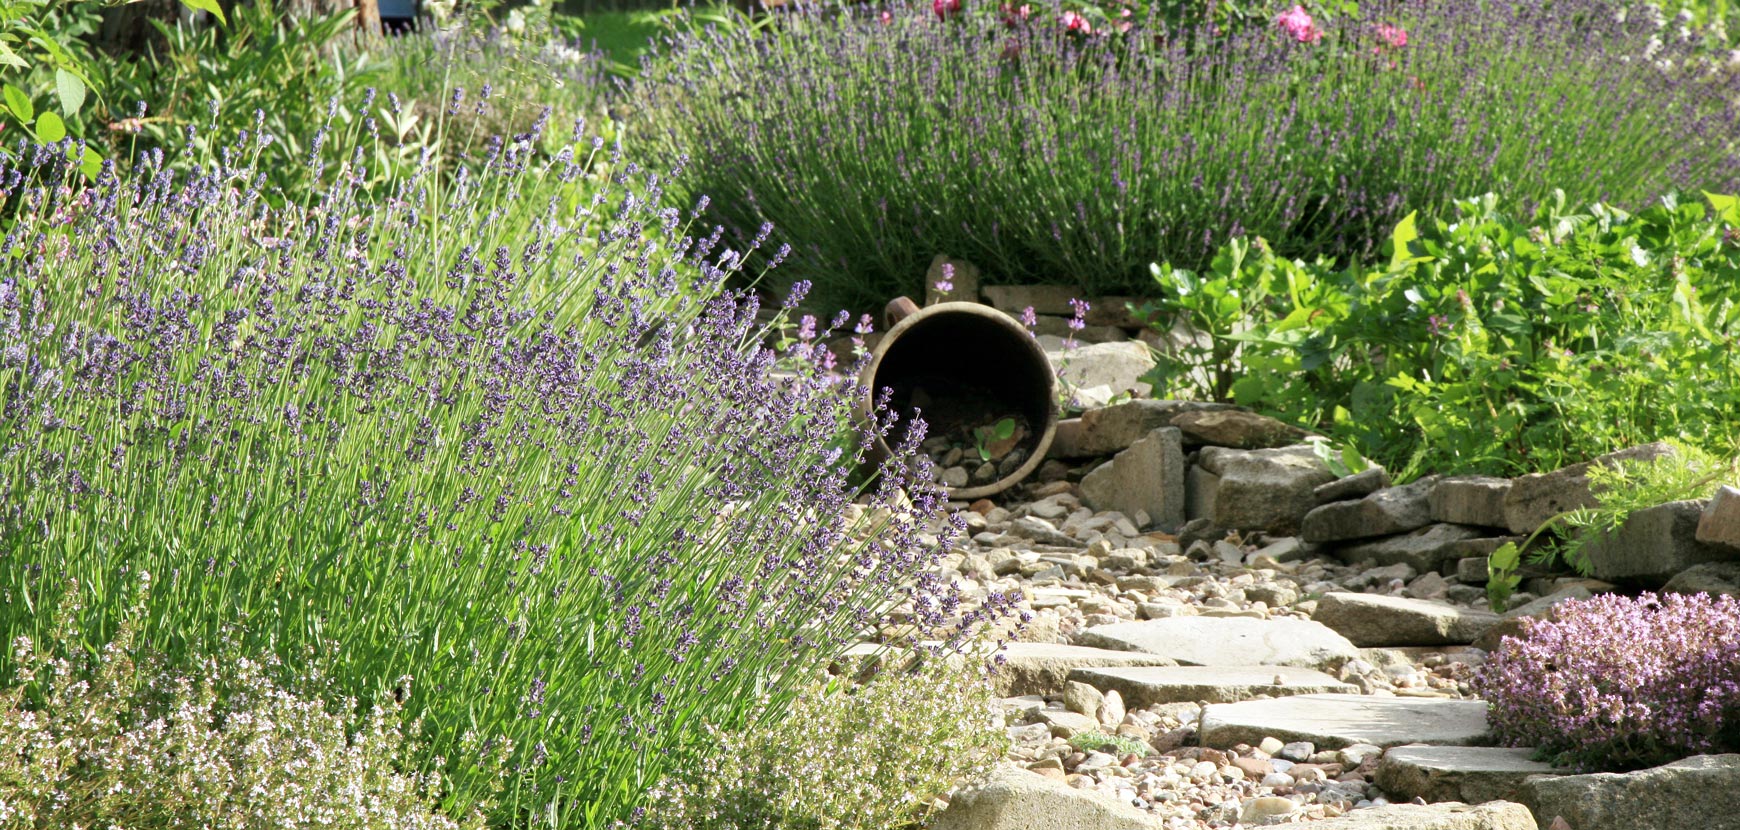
{"points": [[1215, 684], [1376, 620], [1228, 641], [1340, 721], [1497, 815], [1043, 668], [1474, 774]]}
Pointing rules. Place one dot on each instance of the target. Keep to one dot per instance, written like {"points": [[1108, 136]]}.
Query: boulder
{"points": [[1096, 373], [1716, 578], [1043, 668], [1146, 478], [1334, 721], [1720, 523], [1201, 487], [1470, 500], [1015, 799], [1356, 486], [1370, 620], [1268, 490], [1497, 815], [1214, 684], [1227, 641], [1237, 428], [1383, 513], [1535, 498], [963, 279], [1043, 299], [1110, 429], [1702, 792], [1653, 545], [1429, 548], [1473, 774]]}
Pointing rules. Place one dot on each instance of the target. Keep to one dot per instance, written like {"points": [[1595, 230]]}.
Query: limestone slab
{"points": [[1720, 524], [1470, 500], [1148, 477], [1043, 668], [1334, 721], [1653, 545], [1227, 641], [1386, 512], [1473, 774], [1216, 684], [1268, 490], [1426, 549], [1377, 620], [1701, 792], [1015, 799], [1498, 815], [1535, 498]]}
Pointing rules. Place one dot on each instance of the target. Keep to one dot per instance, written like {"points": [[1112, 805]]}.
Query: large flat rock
{"points": [[1268, 490], [1043, 668], [1720, 524], [1015, 799], [1653, 545], [1700, 792], [1227, 641], [1108, 430], [1386, 512], [1426, 549], [1371, 620], [1339, 721], [1473, 774], [1146, 686], [1498, 815], [1535, 498]]}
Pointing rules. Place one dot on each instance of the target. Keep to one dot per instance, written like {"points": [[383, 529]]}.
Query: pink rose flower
{"points": [[1076, 23], [1297, 23]]}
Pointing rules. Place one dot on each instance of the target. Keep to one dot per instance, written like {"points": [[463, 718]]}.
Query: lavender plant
{"points": [[1618, 683], [1039, 153], [499, 431]]}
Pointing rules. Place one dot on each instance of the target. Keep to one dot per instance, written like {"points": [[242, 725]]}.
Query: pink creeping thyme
{"points": [[1620, 683]]}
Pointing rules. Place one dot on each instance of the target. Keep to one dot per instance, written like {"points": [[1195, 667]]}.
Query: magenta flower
{"points": [[945, 8], [1076, 23], [1297, 23], [1393, 36], [947, 282]]}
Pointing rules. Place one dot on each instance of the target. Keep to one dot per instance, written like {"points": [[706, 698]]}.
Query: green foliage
{"points": [[1489, 343], [114, 738], [848, 756], [983, 437], [1110, 744], [1344, 461]]}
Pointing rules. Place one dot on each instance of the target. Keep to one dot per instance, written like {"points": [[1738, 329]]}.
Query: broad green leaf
{"points": [[91, 164], [1406, 232], [18, 103], [71, 91], [207, 6], [49, 128], [1506, 558], [10, 58], [1727, 207]]}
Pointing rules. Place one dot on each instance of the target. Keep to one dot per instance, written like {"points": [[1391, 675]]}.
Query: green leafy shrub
{"points": [[115, 739], [1042, 154], [1487, 342], [848, 757]]}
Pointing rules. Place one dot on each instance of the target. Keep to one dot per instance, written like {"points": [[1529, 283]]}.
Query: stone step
{"points": [[1335, 721], [1474, 774], [1147, 686], [1227, 641], [1043, 668], [1498, 815]]}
